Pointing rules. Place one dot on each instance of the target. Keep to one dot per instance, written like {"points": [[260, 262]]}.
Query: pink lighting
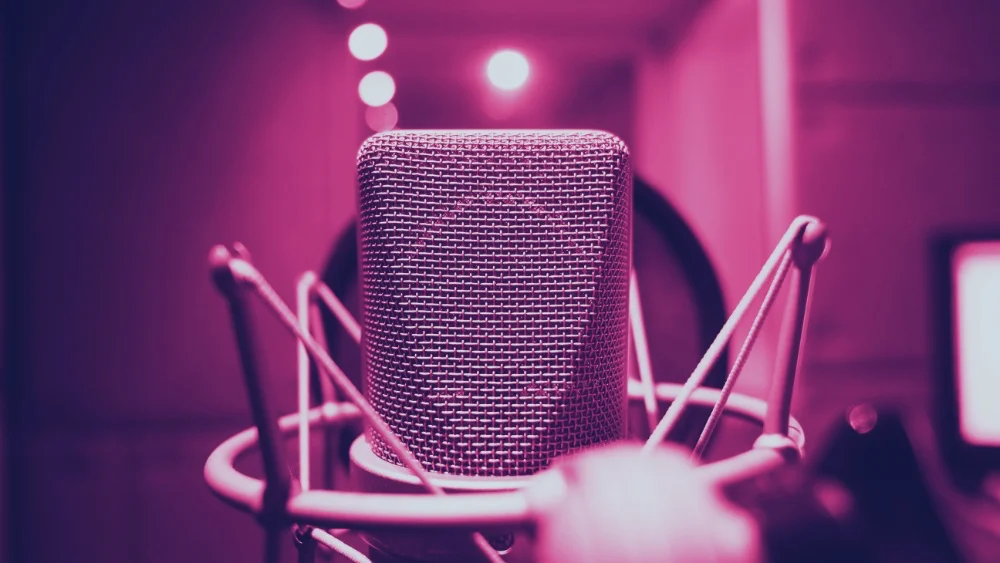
{"points": [[367, 42], [977, 304], [351, 4], [508, 69], [382, 118], [377, 88]]}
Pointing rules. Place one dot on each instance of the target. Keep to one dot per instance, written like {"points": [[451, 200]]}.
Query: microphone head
{"points": [[494, 271]]}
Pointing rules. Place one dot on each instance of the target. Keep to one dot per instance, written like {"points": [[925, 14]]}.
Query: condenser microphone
{"points": [[494, 299]]}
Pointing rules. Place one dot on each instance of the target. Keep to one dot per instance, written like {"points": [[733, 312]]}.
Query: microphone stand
{"points": [[278, 482], [305, 543]]}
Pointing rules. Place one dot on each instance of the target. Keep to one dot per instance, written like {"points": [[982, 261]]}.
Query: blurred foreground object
{"points": [[872, 456], [610, 504], [864, 499]]}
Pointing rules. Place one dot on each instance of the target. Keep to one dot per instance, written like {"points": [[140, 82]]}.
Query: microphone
{"points": [[495, 300], [495, 292]]}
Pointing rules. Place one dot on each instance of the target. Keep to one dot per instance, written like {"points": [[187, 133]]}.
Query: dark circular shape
{"points": [[502, 543]]}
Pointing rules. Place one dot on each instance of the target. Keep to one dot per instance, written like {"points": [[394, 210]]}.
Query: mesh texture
{"points": [[494, 273]]}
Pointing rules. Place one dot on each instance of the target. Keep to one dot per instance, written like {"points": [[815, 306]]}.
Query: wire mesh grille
{"points": [[495, 294]]}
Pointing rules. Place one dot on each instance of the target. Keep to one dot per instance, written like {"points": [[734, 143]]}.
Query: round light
{"points": [[508, 69], [377, 88], [351, 4], [382, 118], [863, 418], [367, 41]]}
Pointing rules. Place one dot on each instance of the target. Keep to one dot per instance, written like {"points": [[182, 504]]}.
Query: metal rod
{"points": [[676, 409], [339, 310], [741, 358], [272, 545], [325, 392], [303, 292], [642, 357], [278, 481], [807, 249], [245, 272]]}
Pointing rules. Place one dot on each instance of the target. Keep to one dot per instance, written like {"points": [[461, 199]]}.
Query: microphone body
{"points": [[495, 277]]}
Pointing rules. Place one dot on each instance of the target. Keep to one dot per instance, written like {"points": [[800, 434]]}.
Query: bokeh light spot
{"points": [[862, 418], [377, 88], [508, 69], [382, 118], [351, 4], [367, 41]]}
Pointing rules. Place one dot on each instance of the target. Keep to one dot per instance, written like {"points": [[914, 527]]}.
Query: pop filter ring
{"points": [[483, 511]]}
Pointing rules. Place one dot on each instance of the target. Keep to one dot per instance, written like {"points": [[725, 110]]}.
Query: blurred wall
{"points": [[139, 134], [579, 78], [698, 138], [893, 134], [899, 134]]}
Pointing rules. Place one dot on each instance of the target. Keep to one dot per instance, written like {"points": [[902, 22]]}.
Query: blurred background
{"points": [[139, 134]]}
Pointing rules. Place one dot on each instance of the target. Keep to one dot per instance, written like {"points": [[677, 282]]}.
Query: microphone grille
{"points": [[495, 270]]}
